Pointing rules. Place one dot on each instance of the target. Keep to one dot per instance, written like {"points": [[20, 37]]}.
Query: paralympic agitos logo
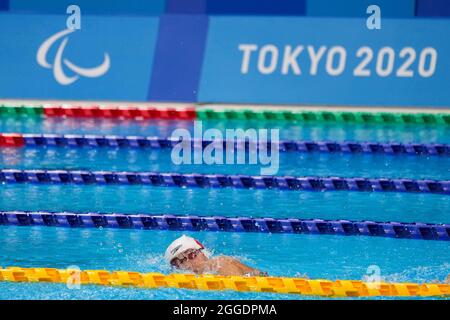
{"points": [[60, 63]]}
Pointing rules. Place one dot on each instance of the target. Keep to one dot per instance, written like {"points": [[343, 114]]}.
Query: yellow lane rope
{"points": [[327, 288]]}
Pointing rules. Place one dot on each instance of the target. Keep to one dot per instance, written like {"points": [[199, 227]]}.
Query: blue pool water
{"points": [[431, 208], [330, 257], [295, 255], [291, 163], [288, 130]]}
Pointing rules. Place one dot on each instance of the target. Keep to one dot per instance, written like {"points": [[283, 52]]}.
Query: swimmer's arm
{"points": [[244, 268]]}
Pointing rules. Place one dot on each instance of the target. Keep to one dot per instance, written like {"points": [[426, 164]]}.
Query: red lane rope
{"points": [[120, 112]]}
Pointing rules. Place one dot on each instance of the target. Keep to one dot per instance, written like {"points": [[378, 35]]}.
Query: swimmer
{"points": [[186, 253]]}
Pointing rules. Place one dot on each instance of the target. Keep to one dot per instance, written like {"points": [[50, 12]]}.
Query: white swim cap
{"points": [[180, 245]]}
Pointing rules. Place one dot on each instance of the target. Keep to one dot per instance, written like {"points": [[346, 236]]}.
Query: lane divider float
{"points": [[205, 113], [194, 180], [284, 285], [397, 230], [95, 141], [325, 116], [107, 112], [197, 180]]}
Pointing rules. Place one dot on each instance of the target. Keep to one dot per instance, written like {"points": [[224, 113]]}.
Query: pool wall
{"points": [[258, 58]]}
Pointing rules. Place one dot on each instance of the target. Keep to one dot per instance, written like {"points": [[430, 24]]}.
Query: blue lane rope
{"points": [[283, 146], [223, 181], [218, 223]]}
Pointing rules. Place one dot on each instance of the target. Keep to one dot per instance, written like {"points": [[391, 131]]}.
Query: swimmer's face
{"points": [[192, 260]]}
